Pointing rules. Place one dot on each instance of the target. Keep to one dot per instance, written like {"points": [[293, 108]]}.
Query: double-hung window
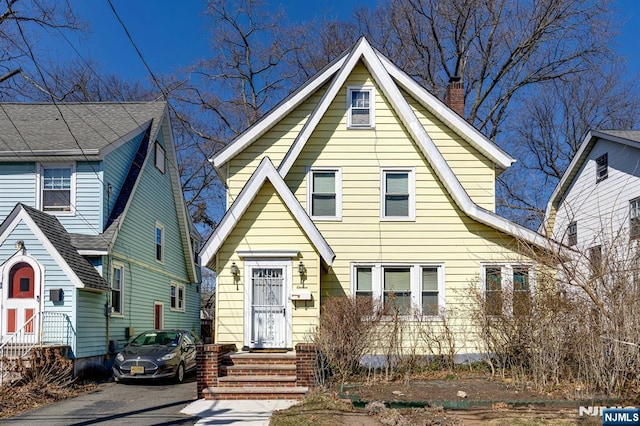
{"points": [[397, 289], [177, 297], [634, 218], [572, 234], [360, 107], [117, 287], [507, 288], [397, 194], [602, 167], [159, 242], [57, 188], [408, 289], [324, 194]]}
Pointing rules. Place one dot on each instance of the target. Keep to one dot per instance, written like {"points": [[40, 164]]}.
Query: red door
{"points": [[21, 300]]}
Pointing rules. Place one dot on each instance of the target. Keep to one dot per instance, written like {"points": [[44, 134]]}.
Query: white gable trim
{"points": [[414, 127], [322, 107], [444, 113], [262, 126], [37, 232], [265, 171]]}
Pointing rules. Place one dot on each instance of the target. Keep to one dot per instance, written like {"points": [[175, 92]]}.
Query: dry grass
{"points": [[43, 378]]}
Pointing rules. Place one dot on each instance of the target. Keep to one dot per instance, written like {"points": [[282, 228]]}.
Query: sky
{"points": [[172, 34]]}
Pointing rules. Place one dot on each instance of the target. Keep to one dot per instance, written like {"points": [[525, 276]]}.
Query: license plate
{"points": [[137, 369]]}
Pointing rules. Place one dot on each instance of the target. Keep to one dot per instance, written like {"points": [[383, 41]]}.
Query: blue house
{"points": [[96, 243]]}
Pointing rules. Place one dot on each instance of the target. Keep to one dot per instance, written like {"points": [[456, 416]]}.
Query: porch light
{"points": [[301, 268], [234, 269], [19, 245]]}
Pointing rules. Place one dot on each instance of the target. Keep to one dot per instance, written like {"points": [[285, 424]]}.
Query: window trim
{"points": [[411, 176], [155, 242], [179, 301], [119, 310], [572, 233], [506, 281], [634, 222], [415, 285], [160, 148], [72, 190], [602, 167], [372, 109], [337, 189]]}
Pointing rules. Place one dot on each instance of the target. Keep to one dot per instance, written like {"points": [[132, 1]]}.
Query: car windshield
{"points": [[151, 338]]}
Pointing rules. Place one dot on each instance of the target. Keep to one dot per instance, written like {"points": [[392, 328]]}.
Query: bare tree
{"points": [[23, 23], [549, 129]]}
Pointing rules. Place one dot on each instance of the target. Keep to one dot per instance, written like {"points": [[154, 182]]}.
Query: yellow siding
{"points": [[441, 233], [267, 225]]}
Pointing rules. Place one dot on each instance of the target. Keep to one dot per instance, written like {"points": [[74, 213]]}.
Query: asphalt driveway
{"points": [[142, 403]]}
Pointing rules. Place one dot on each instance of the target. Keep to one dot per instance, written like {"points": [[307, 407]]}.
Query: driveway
{"points": [[115, 403]]}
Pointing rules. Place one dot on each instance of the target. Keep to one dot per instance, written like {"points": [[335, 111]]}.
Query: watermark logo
{"points": [[613, 416]]}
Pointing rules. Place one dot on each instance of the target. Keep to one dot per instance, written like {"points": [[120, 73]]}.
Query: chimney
{"points": [[454, 98]]}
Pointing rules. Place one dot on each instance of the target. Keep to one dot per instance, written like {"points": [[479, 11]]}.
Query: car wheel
{"points": [[180, 373]]}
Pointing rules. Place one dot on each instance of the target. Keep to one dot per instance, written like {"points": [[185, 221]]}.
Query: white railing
{"points": [[42, 329]]}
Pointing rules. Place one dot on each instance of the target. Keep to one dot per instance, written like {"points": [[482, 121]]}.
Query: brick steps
{"points": [[247, 375], [225, 373], [222, 392], [257, 381]]}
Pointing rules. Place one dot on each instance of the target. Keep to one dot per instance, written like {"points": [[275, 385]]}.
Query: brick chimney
{"points": [[454, 98]]}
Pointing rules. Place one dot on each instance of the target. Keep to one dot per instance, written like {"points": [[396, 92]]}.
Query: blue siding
{"points": [[92, 324], [116, 167], [88, 217], [146, 280], [17, 184], [54, 277]]}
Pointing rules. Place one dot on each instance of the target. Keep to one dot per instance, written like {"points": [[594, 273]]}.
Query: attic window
{"points": [[160, 157], [602, 167], [360, 107]]}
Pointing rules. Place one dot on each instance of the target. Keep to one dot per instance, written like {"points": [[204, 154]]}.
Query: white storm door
{"points": [[268, 317]]}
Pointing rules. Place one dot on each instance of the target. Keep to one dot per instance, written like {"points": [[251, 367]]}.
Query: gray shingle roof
{"points": [[38, 129], [60, 239], [632, 135]]}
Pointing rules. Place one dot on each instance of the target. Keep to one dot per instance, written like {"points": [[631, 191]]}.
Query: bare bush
{"points": [[345, 335], [579, 327]]}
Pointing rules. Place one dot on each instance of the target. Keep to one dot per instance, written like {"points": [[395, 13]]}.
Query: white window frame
{"points": [[155, 242], [40, 185], [117, 310], [372, 109], [634, 218], [602, 170], [338, 191], [411, 172], [174, 293], [377, 285], [506, 282], [160, 160], [572, 233]]}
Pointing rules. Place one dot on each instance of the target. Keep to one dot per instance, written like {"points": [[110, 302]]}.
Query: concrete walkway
{"points": [[235, 412]]}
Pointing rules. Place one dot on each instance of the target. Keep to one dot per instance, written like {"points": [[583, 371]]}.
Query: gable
{"points": [[400, 108], [263, 173]]}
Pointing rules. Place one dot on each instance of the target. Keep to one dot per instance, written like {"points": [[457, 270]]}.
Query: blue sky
{"points": [[172, 33]]}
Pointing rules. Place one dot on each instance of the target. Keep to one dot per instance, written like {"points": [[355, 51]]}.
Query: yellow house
{"points": [[361, 182]]}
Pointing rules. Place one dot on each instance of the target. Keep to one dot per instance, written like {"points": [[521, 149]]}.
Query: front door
{"points": [[21, 297], [269, 313]]}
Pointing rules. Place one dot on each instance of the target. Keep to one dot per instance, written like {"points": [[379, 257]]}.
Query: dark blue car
{"points": [[157, 354]]}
